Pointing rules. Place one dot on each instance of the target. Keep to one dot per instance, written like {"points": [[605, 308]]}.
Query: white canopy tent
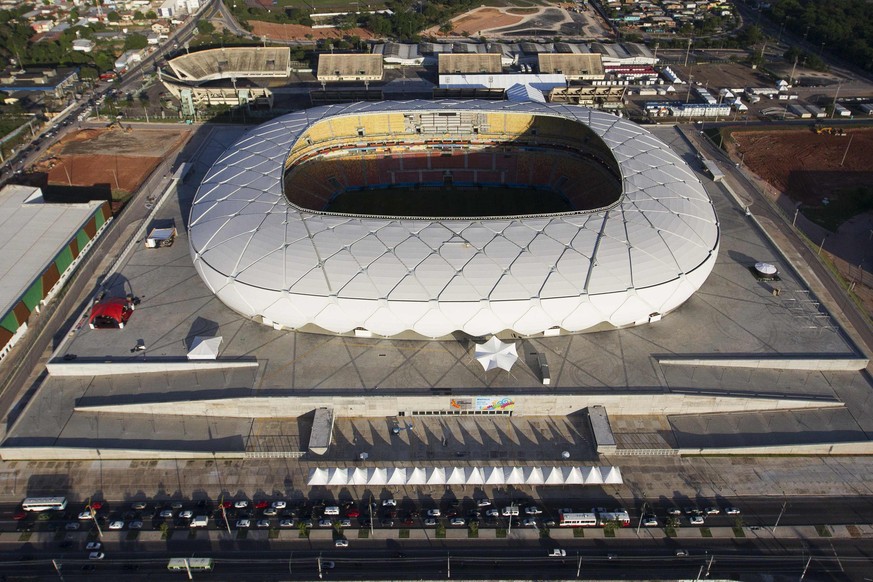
{"points": [[496, 354], [205, 348], [400, 476]]}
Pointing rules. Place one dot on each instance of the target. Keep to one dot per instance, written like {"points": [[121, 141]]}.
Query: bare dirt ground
{"points": [[480, 20], [82, 159], [275, 31], [807, 168]]}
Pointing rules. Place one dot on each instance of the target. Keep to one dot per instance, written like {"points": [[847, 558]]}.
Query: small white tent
{"points": [[496, 354], [204, 348]]}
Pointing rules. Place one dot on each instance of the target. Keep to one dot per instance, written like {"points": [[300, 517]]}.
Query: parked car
{"points": [[19, 515], [93, 546], [279, 504], [458, 521], [270, 511], [389, 502], [530, 522], [532, 510], [387, 523], [85, 515], [341, 543], [433, 513], [116, 525], [483, 502], [187, 514], [492, 512], [650, 521], [139, 505], [353, 513], [430, 521], [325, 523], [166, 514], [681, 553], [731, 511], [558, 553], [177, 505], [96, 556], [263, 523], [243, 523], [696, 520], [136, 524], [711, 511], [286, 523], [262, 504], [674, 511], [345, 523]]}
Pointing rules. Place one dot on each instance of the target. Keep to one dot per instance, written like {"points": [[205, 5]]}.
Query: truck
{"points": [[108, 76]]}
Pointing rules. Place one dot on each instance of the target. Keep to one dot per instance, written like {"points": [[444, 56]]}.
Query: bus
{"points": [[619, 516], [44, 504], [577, 519], [192, 564]]}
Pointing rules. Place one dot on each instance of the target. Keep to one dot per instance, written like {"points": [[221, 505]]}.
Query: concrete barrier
{"points": [[79, 368], [771, 363]]}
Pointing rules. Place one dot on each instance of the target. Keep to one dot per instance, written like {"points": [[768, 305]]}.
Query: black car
{"points": [[387, 523]]}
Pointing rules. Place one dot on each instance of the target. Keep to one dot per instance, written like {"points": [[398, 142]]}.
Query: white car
{"points": [[346, 522], [674, 511], [650, 521], [458, 521], [135, 525], [242, 504], [731, 511], [530, 522], [433, 513], [243, 523], [85, 515], [696, 520], [166, 514], [187, 514], [263, 523], [558, 553], [279, 505], [711, 511], [389, 502], [430, 521], [325, 523], [93, 546], [483, 502], [533, 510], [116, 525], [492, 512], [96, 556], [286, 523], [341, 543]]}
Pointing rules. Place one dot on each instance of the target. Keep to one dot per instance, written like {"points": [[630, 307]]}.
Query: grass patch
{"points": [[473, 530], [823, 531], [500, 532], [440, 531], [363, 534], [670, 531], [273, 533], [844, 205], [545, 533], [609, 533], [706, 532], [403, 533], [578, 532], [739, 532], [25, 536], [132, 535]]}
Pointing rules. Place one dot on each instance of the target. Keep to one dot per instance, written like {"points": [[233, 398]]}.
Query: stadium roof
{"points": [[349, 67], [470, 63], [293, 268], [32, 233], [225, 63]]}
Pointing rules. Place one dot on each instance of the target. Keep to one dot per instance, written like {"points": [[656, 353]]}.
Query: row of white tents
{"points": [[344, 476]]}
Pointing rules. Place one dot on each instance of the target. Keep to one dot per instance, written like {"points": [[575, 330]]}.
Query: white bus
{"points": [[44, 504], [577, 520], [199, 564], [619, 516]]}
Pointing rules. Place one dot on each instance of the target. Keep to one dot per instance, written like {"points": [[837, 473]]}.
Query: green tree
{"points": [[151, 15], [135, 41], [113, 17], [205, 27], [137, 15]]}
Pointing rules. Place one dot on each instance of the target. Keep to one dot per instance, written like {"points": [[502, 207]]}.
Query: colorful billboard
{"points": [[483, 403]]}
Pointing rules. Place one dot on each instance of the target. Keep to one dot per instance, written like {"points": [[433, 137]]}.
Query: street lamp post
{"points": [[642, 513], [785, 503]]}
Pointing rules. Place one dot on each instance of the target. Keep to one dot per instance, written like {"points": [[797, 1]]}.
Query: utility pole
{"points": [[642, 513], [709, 565], [449, 565], [846, 153], [785, 503], [319, 567], [579, 565], [834, 105], [791, 78], [687, 50], [58, 569], [805, 568]]}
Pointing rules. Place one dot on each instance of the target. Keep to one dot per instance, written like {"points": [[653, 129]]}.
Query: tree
{"points": [[113, 17], [135, 42], [151, 15], [205, 27], [137, 15]]}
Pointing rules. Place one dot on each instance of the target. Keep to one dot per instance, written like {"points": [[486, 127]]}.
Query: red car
{"points": [[227, 504], [111, 313], [19, 515], [262, 504], [95, 505], [353, 513]]}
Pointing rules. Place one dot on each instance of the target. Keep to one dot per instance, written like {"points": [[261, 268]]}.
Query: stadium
{"points": [[427, 218]]}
